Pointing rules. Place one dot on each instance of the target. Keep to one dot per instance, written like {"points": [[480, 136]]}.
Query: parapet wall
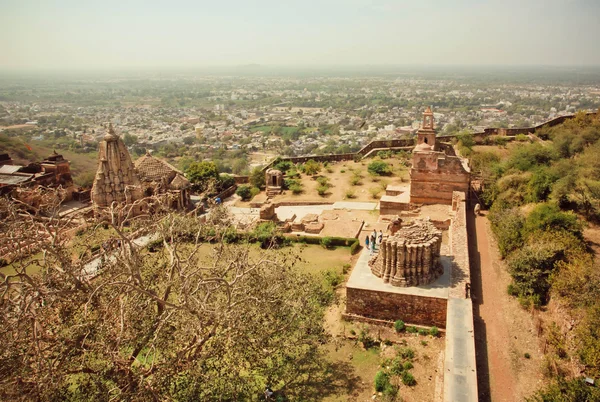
{"points": [[460, 370], [509, 132], [395, 306]]}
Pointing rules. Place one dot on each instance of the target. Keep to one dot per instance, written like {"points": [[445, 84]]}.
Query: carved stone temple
{"points": [[116, 179], [410, 257]]}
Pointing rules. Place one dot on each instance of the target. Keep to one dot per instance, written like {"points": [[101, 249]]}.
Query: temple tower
{"points": [[426, 134], [116, 179]]}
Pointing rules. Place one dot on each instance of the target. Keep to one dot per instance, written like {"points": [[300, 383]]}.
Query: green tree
{"points": [[202, 175], [130, 139], [257, 178], [379, 168], [312, 168]]}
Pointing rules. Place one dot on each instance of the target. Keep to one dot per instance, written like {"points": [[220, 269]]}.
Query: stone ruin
{"points": [[410, 257]]}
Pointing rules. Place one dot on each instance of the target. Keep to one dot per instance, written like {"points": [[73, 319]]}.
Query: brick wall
{"points": [[436, 187], [395, 306]]}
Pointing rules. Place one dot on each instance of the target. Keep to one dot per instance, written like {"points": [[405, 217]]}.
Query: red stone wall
{"points": [[395, 306], [436, 187]]}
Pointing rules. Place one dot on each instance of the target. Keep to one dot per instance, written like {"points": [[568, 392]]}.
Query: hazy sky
{"points": [[102, 34]]}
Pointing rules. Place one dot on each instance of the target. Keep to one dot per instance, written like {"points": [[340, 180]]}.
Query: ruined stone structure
{"points": [[161, 178], [435, 175], [273, 182], [410, 257], [116, 179], [267, 212], [53, 172]]}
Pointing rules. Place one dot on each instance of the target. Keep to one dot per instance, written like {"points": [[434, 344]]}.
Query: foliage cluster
{"points": [[543, 242]]}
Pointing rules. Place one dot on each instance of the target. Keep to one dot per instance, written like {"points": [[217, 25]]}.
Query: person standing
{"points": [[379, 238], [367, 243]]}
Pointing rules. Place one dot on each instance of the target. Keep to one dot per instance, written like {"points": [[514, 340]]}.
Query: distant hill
{"points": [[81, 164]]}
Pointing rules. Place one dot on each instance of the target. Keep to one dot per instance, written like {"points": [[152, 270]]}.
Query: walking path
{"points": [[91, 268], [504, 332]]}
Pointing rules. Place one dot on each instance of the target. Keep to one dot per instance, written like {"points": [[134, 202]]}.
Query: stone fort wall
{"points": [[435, 186], [397, 306]]}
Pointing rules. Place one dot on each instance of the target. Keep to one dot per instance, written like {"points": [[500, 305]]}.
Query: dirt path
{"points": [[504, 332]]}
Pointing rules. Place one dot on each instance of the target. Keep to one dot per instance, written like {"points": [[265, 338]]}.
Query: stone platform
{"points": [[368, 296]]}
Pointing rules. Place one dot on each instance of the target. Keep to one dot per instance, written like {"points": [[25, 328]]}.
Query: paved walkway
{"points": [[91, 268], [460, 379]]}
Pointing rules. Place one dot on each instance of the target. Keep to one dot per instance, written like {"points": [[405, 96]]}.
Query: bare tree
{"points": [[167, 324]]}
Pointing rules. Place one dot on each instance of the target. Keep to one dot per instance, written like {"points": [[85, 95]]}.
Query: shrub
{"points": [[326, 242], [296, 189], [284, 166], [399, 326], [289, 182], [423, 331], [365, 338], [527, 355], [322, 190], [384, 154], [350, 194], [550, 217], [375, 192], [379, 168], [396, 366], [424, 343], [574, 389], [412, 329], [382, 379], [408, 379], [343, 171], [352, 332], [323, 181], [266, 233], [357, 157], [407, 366], [355, 180], [434, 331], [257, 178], [355, 247], [245, 192], [521, 138], [507, 225], [332, 277], [345, 268], [311, 167], [406, 353]]}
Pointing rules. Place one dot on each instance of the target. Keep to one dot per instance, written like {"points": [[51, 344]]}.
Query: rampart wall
{"points": [[394, 306]]}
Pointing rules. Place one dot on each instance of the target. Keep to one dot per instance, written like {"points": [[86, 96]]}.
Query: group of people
{"points": [[373, 240]]}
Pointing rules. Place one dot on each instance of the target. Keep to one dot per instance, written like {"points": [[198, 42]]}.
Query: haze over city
{"points": [[320, 201], [112, 34]]}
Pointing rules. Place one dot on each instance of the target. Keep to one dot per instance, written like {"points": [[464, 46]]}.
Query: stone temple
{"points": [[116, 179], [411, 257]]}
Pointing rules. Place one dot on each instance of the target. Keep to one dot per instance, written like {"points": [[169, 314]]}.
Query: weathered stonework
{"points": [[267, 211], [394, 306], [411, 257], [116, 179], [435, 175], [274, 182]]}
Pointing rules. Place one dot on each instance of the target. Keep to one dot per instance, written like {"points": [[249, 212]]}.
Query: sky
{"points": [[108, 34]]}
